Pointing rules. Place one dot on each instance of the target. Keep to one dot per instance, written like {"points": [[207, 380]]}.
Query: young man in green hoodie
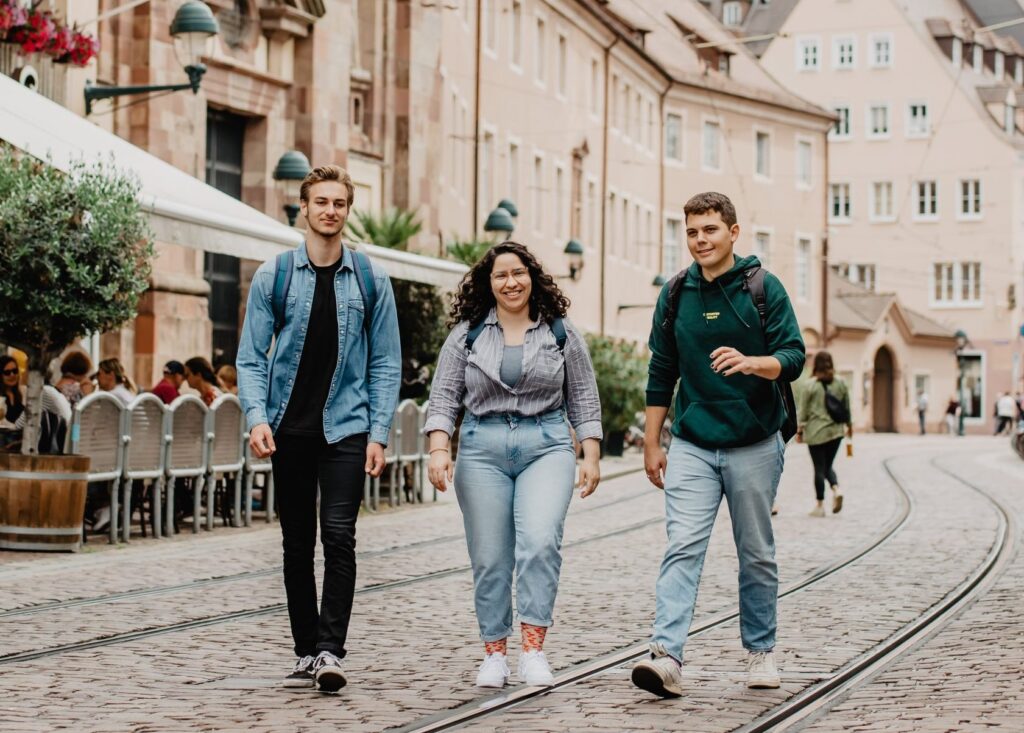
{"points": [[726, 440]]}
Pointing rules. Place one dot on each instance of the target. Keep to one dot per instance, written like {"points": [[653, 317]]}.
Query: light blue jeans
{"points": [[695, 482], [514, 480]]}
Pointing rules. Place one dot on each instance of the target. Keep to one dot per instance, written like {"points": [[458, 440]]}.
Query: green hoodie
{"points": [[714, 411]]}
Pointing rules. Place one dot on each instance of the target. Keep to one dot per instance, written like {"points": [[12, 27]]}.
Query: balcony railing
{"points": [[50, 78]]}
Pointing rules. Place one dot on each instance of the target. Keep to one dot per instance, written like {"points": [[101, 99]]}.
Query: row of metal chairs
{"points": [[149, 445]]}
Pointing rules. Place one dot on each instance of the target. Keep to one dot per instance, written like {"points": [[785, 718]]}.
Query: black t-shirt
{"points": [[305, 412]]}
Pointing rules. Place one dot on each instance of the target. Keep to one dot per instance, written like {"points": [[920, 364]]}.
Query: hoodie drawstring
{"points": [[731, 306]]}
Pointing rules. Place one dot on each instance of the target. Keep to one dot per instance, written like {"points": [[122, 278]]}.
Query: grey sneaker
{"points": [[761, 671], [328, 674], [659, 675], [302, 675]]}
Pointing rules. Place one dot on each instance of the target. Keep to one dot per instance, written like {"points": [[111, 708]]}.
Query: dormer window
{"points": [[978, 62], [732, 14], [956, 54], [999, 66]]}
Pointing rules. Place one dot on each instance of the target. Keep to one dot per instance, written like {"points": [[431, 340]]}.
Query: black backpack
{"points": [[753, 283], [835, 407]]}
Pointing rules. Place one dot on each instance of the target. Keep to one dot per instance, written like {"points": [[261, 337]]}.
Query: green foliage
{"points": [[75, 253], [621, 380], [469, 251], [421, 316], [393, 228]]}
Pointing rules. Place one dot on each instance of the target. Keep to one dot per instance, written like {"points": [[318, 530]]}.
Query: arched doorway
{"points": [[883, 404]]}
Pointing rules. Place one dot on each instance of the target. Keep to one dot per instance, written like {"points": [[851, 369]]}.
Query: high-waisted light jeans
{"points": [[514, 480], [695, 482]]}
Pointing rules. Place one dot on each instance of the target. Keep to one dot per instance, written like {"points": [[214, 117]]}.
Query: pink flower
{"points": [[35, 35], [84, 48], [12, 15], [61, 43]]}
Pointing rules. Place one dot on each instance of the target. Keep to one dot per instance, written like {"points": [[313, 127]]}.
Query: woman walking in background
{"points": [[824, 415], [517, 366]]}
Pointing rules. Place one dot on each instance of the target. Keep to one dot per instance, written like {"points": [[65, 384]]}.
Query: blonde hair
{"points": [[114, 366], [327, 173]]}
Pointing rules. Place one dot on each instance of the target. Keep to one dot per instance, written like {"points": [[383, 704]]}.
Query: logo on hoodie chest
{"points": [[712, 315]]}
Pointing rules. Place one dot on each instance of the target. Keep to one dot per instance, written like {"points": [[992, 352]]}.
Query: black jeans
{"points": [[300, 464], [822, 455]]}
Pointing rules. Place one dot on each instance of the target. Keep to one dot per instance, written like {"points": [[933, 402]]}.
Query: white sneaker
{"points": [[818, 511], [494, 671], [659, 674], [302, 674], [102, 519], [327, 672], [535, 670], [761, 671]]}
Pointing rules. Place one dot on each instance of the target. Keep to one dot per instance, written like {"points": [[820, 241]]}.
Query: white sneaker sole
{"points": [[764, 683], [492, 684], [299, 683], [330, 680], [647, 678]]}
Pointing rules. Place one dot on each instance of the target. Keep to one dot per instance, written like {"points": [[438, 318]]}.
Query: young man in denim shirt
{"points": [[321, 403]]}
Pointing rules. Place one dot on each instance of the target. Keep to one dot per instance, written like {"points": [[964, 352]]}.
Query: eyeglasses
{"points": [[10, 372], [520, 274]]}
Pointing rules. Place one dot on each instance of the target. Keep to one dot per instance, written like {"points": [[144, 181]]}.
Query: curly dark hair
{"points": [[474, 298]]}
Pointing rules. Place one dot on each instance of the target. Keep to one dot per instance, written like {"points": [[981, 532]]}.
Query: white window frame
{"points": [[1010, 118], [801, 296], [807, 42], [978, 58], [801, 184], [486, 174], [956, 53], [917, 133], [540, 55], [834, 136], [732, 14], [979, 191], [758, 175], [679, 244], [625, 107], [845, 188], [838, 42], [489, 28], [927, 217], [596, 88], [857, 269], [561, 66], [561, 209], [592, 213], [873, 41], [537, 189], [669, 160], [704, 123], [873, 214], [515, 36], [999, 66], [869, 124], [762, 231], [955, 270], [1018, 72], [613, 103], [513, 168]]}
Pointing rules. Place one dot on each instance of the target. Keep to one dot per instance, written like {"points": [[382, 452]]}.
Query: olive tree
{"points": [[75, 256]]}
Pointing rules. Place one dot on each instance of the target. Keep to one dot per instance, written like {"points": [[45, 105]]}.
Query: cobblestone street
{"points": [[192, 634]]}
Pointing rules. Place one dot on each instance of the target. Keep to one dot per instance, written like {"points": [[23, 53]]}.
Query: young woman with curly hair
{"points": [[517, 366]]}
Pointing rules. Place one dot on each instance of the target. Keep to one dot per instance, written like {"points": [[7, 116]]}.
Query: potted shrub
{"points": [[621, 381], [76, 256]]}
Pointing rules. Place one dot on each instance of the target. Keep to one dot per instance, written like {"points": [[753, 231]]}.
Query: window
{"points": [[594, 211], [878, 121], [843, 52], [803, 164], [1010, 118], [454, 142], [517, 33], [538, 193], [1018, 72], [881, 50], [803, 268], [513, 171], [978, 60], [881, 201], [712, 143], [649, 126], [649, 250], [613, 229], [563, 65], [732, 14], [624, 228], [839, 195], [595, 86], [671, 256], [674, 137], [807, 54], [723, 63], [486, 166], [970, 198], [763, 154], [927, 200], [762, 246], [918, 124], [490, 25], [613, 100], [841, 129], [625, 109], [539, 57], [956, 53], [999, 66], [559, 201], [863, 275], [956, 283]]}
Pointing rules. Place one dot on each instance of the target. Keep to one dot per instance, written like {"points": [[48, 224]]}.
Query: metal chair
{"points": [[253, 466], [371, 487], [410, 446], [144, 454], [425, 448], [225, 425], [187, 450], [96, 432]]}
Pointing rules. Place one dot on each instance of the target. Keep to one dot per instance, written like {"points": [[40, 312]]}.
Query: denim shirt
{"points": [[361, 399]]}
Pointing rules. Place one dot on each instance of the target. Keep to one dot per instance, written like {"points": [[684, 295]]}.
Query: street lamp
{"points": [[658, 281], [192, 28], [290, 170], [961, 344], [500, 220], [510, 207], [574, 251]]}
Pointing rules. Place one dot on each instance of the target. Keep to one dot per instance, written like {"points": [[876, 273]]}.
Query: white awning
{"points": [[182, 209]]}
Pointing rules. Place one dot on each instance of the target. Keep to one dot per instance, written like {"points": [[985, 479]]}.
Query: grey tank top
{"points": [[511, 364]]}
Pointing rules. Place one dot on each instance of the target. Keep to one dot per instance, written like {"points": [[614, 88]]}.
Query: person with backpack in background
{"points": [[824, 415], [321, 402], [517, 366], [725, 331]]}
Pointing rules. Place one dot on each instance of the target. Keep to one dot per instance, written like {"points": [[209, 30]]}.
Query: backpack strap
{"points": [[284, 264], [675, 290], [753, 282], [558, 329], [473, 334], [367, 287]]}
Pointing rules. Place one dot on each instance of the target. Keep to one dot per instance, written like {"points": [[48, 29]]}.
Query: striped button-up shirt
{"points": [[472, 380]]}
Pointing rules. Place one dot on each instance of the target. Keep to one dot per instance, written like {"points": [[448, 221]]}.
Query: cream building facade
{"points": [[926, 186]]}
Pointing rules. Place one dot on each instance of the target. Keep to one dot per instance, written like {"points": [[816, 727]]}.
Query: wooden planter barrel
{"points": [[42, 502]]}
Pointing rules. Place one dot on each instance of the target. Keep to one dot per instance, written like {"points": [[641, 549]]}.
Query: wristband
{"points": [[435, 450]]}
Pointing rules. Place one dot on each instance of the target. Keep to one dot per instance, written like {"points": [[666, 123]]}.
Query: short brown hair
{"points": [[702, 203], [77, 364], [328, 173]]}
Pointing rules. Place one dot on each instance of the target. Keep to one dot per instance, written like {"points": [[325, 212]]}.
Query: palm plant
{"points": [[469, 251], [392, 228]]}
